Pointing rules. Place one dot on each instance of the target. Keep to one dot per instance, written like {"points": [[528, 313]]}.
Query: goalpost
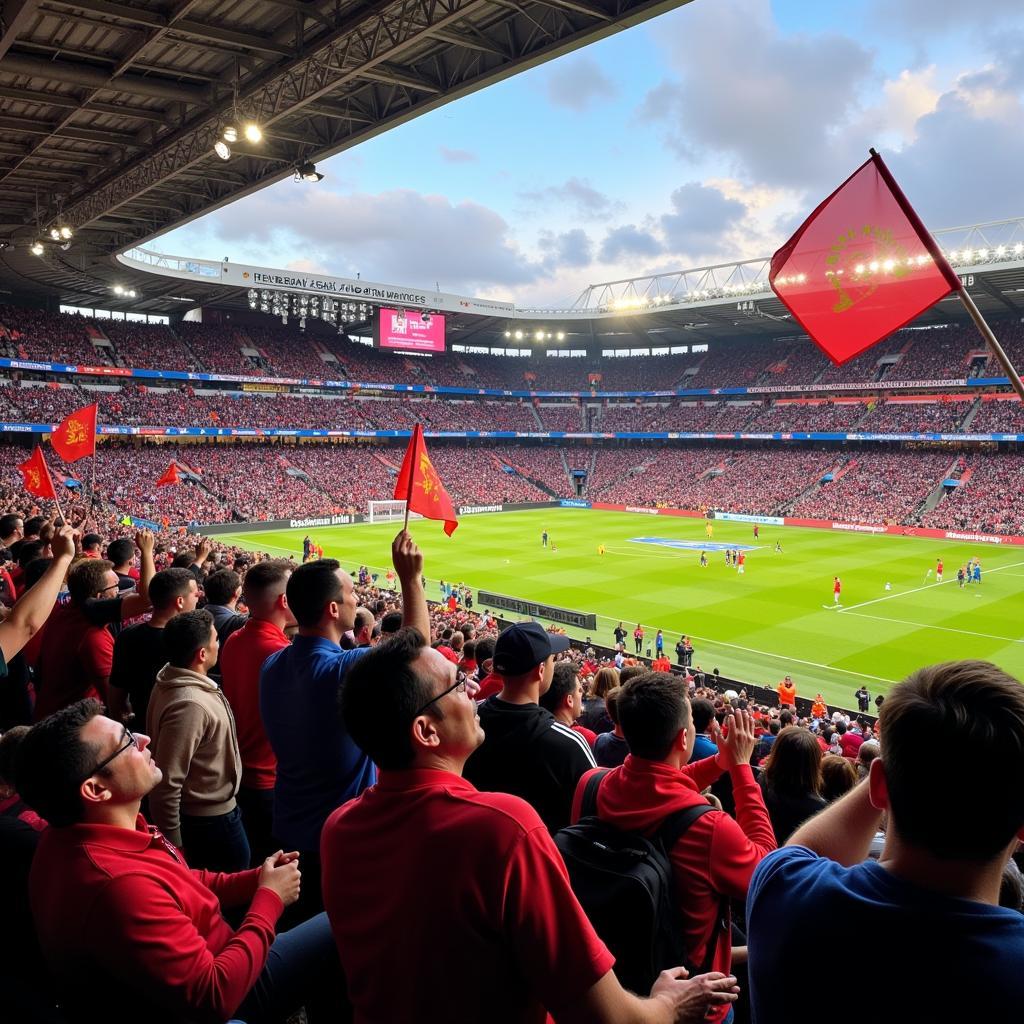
{"points": [[388, 512]]}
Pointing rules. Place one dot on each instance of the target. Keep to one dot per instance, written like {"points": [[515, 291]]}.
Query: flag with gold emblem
{"points": [[861, 266], [75, 436], [420, 487], [36, 476]]}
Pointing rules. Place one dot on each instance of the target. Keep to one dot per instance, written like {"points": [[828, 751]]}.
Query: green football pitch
{"points": [[777, 617]]}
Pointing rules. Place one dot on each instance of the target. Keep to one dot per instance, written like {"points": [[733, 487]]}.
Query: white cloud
{"points": [[578, 82], [578, 193], [457, 156]]}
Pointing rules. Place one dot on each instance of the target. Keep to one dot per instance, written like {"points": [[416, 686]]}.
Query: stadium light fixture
{"points": [[222, 149], [426, 319], [253, 132], [37, 248], [560, 336], [230, 133], [519, 335], [508, 334], [55, 234], [306, 170]]}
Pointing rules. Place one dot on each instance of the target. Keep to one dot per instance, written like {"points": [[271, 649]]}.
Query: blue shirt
{"points": [[923, 955], [319, 767], [703, 746]]}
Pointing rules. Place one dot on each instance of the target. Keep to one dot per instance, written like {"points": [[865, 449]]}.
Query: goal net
{"points": [[388, 512]]}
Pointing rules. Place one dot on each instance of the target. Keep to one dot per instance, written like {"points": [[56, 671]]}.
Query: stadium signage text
{"points": [[739, 517], [298, 524], [568, 617], [859, 527], [573, 503], [985, 538], [469, 510], [645, 511]]}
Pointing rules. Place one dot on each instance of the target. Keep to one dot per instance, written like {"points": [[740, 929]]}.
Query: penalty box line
{"points": [[927, 586], [946, 629]]}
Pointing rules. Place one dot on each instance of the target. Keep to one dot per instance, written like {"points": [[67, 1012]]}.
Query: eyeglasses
{"points": [[113, 586], [130, 741], [459, 685]]}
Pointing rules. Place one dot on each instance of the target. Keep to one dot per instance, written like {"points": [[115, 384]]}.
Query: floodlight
{"points": [[253, 132], [230, 133], [222, 149], [306, 171], [37, 248]]}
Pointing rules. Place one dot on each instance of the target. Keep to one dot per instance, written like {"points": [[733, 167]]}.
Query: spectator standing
{"points": [[702, 712], [715, 858], [595, 710], [241, 659], [76, 651], [933, 896], [525, 751], [121, 553], [139, 650], [223, 588], [485, 857], [792, 782], [319, 767], [611, 748], [195, 743], [564, 699], [787, 693]]}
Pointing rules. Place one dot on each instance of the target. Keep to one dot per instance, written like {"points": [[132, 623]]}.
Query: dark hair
{"points": [[702, 711], [168, 585], [33, 525], [977, 710], [469, 650], [29, 550], [391, 623], [611, 704], [9, 743], [185, 634], [838, 776], [34, 571], [774, 726], [653, 709], [484, 649], [220, 586], [52, 761], [786, 718], [793, 766], [311, 588], [182, 560], [121, 550], [87, 578], [9, 523], [628, 672], [264, 575], [380, 696], [91, 540], [563, 682], [841, 727]]}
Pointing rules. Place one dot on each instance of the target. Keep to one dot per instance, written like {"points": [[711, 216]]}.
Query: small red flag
{"points": [[861, 266], [36, 476], [170, 475], [75, 437], [420, 487]]}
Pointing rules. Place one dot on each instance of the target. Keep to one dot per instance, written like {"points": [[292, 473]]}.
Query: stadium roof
{"points": [[109, 111]]}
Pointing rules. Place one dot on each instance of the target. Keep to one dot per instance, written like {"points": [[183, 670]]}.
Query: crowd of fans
{"points": [[903, 417], [228, 781], [877, 487], [989, 500]]}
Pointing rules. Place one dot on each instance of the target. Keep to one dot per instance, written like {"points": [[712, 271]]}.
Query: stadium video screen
{"points": [[408, 330]]}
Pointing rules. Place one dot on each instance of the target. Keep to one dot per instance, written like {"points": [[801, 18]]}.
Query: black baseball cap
{"points": [[525, 645]]}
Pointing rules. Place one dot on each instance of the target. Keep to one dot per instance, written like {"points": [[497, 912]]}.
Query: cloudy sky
{"points": [[702, 136]]}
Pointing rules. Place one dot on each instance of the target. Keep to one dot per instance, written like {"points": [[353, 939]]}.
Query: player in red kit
{"points": [[938, 570], [837, 588]]}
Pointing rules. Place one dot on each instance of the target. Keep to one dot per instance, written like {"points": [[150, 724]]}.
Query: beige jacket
{"points": [[195, 744]]}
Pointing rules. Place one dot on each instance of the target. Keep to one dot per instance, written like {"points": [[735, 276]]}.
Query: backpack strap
{"points": [[588, 805], [673, 828]]}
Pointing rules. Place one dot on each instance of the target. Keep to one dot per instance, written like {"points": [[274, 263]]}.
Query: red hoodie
{"points": [[716, 857]]}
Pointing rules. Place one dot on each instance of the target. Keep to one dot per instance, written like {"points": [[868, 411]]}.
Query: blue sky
{"points": [[702, 136]]}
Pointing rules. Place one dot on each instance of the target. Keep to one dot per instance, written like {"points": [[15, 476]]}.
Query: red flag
{"points": [[36, 476], [76, 435], [170, 475], [861, 266], [420, 487]]}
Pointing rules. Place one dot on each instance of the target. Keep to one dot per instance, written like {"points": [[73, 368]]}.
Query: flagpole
{"points": [[408, 497], [993, 342]]}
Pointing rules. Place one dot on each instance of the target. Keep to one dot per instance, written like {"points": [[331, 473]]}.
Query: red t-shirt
{"points": [[118, 909], [75, 659], [488, 860], [588, 734], [850, 742], [489, 686], [837, 587], [241, 659]]}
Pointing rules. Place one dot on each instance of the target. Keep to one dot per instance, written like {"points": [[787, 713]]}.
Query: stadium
{"points": [[668, 466]]}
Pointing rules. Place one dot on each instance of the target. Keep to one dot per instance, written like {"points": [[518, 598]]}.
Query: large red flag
{"points": [[76, 435], [861, 266], [420, 487], [170, 475], [36, 475]]}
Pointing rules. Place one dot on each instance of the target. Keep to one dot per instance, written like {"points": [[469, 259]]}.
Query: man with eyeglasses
{"points": [[77, 650], [423, 867], [118, 909]]}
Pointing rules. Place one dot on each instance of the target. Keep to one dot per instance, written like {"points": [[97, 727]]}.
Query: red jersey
{"points": [[241, 659], [836, 587], [75, 659], [938, 568]]}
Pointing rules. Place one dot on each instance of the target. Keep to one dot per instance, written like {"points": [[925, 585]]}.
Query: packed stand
{"points": [[990, 500], [877, 487], [865, 367], [999, 417], [147, 346], [895, 417], [938, 355], [807, 416], [48, 337]]}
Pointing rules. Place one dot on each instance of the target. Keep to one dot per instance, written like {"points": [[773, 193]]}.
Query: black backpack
{"points": [[624, 882]]}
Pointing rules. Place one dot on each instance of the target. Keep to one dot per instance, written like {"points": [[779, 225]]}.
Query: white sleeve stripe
{"points": [[579, 738]]}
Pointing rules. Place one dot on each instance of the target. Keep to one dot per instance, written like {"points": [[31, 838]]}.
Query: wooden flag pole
{"points": [[993, 342]]}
